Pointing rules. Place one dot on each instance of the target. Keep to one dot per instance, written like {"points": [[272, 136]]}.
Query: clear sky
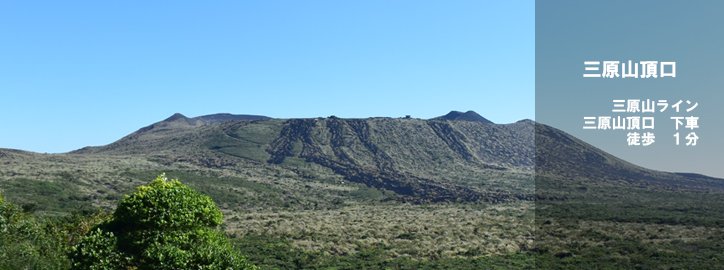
{"points": [[78, 73]]}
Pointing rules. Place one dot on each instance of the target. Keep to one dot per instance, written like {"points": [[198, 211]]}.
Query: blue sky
{"points": [[78, 73]]}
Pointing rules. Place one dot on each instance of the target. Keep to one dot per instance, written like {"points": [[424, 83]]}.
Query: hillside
{"points": [[426, 160], [448, 158], [403, 187]]}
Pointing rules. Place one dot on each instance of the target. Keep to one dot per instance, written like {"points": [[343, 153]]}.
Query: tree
{"points": [[162, 225], [27, 242]]}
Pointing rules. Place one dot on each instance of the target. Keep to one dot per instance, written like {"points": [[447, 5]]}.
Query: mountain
{"points": [[223, 117], [561, 156], [442, 159], [401, 187], [421, 160], [169, 129], [464, 116], [455, 157]]}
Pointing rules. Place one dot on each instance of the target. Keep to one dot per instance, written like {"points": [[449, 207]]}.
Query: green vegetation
{"points": [[269, 252], [47, 197], [606, 226], [163, 225], [336, 193], [413, 231], [31, 242]]}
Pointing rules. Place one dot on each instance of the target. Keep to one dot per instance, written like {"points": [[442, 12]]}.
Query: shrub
{"points": [[3, 213], [29, 243], [162, 225]]}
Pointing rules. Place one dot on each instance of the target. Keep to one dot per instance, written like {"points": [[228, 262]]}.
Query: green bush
{"points": [[162, 225], [97, 250], [3, 220], [27, 243], [164, 204]]}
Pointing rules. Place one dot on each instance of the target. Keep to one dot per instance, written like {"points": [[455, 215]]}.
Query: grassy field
{"points": [[608, 226], [338, 197], [312, 222]]}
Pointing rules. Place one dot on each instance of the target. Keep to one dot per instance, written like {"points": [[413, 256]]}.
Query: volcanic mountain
{"points": [[464, 116], [419, 185], [458, 157], [455, 157]]}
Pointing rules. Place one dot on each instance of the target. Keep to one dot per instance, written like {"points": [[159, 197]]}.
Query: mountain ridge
{"points": [[333, 184], [180, 129], [464, 116], [454, 157], [469, 116]]}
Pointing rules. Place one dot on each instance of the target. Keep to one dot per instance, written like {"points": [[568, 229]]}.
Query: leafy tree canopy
{"points": [[162, 225]]}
